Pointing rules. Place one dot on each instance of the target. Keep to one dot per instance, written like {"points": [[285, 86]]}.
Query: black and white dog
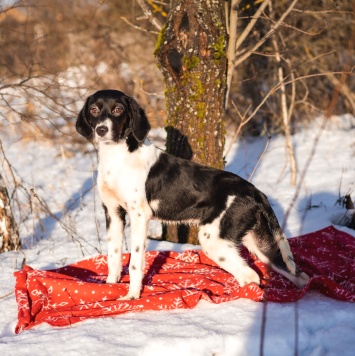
{"points": [[138, 179]]}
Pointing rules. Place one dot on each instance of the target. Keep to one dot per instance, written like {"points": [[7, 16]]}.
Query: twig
{"points": [[234, 42], [141, 89], [344, 89], [235, 136], [148, 15], [328, 114], [268, 34], [323, 11], [305, 169], [271, 92], [96, 221], [82, 195], [311, 34], [6, 295], [260, 158], [138, 27], [160, 2], [251, 24], [16, 181], [232, 29], [286, 115], [278, 86], [74, 234]]}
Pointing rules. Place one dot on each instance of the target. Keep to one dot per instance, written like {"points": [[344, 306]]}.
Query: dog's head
{"points": [[109, 116]]}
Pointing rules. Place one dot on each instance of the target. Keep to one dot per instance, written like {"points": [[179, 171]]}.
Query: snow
{"points": [[315, 325]]}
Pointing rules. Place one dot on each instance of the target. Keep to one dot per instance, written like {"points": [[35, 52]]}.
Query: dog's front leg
{"points": [[139, 229], [115, 222]]}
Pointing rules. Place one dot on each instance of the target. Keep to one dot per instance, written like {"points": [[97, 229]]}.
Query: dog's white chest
{"points": [[122, 174]]}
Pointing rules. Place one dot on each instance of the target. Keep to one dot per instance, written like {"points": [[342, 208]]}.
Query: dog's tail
{"points": [[285, 251], [284, 263], [272, 248]]}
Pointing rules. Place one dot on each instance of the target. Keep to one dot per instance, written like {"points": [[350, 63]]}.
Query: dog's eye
{"points": [[117, 110], [94, 110]]}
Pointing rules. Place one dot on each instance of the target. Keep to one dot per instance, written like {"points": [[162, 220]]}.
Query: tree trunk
{"points": [[191, 51], [9, 237]]}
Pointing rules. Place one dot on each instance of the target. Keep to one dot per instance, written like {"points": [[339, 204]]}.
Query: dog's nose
{"points": [[102, 130]]}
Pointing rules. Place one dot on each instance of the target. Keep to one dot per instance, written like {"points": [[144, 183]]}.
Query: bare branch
{"points": [[285, 114], [235, 136], [148, 15], [272, 30], [137, 27], [251, 24], [6, 295], [71, 231], [231, 45], [328, 113], [260, 158], [344, 89]]}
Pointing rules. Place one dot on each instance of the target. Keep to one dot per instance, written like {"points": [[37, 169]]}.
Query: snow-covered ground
{"points": [[316, 325]]}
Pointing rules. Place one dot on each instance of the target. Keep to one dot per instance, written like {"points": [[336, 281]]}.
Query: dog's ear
{"points": [[139, 124], [82, 125]]}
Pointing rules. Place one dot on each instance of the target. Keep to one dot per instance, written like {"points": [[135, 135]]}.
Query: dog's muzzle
{"points": [[102, 130]]}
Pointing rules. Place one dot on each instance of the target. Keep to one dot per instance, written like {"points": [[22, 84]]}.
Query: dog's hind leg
{"points": [[225, 253]]}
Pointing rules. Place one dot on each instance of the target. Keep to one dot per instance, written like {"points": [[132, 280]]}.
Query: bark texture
{"points": [[191, 51]]}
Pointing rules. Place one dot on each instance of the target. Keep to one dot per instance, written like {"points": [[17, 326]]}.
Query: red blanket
{"points": [[66, 295]]}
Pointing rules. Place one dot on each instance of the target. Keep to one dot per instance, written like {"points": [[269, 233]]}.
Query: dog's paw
{"points": [[302, 280], [112, 279], [128, 297], [247, 276]]}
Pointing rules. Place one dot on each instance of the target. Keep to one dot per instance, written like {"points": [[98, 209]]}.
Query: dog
{"points": [[138, 179]]}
